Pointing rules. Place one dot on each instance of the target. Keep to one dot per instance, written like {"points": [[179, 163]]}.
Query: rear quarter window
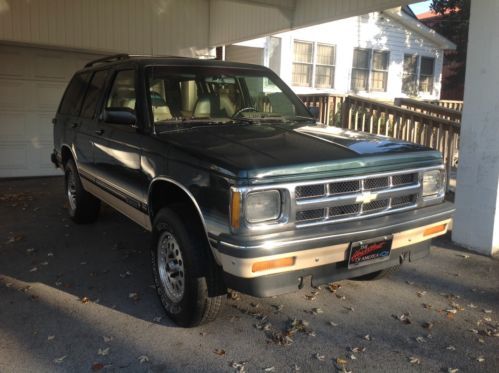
{"points": [[73, 97], [94, 94]]}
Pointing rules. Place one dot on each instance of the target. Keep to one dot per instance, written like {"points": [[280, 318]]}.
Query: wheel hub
{"points": [[171, 266], [71, 190]]}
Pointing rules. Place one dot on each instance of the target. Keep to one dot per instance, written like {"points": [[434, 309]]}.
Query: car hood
{"points": [[262, 151]]}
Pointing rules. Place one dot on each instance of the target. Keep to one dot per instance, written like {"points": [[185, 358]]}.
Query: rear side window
{"points": [[122, 96], [73, 98], [94, 93]]}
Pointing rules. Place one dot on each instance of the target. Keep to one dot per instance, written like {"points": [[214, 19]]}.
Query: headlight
{"points": [[433, 182], [262, 206]]}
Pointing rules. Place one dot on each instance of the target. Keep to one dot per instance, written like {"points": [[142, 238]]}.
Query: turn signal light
{"points": [[435, 229], [271, 264], [235, 210]]}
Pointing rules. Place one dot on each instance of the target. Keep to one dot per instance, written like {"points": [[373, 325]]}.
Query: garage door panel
{"points": [[13, 63], [48, 95], [32, 82], [14, 155], [13, 126], [13, 94]]}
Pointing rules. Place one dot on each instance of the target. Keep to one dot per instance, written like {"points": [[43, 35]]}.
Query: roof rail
{"points": [[113, 58]]}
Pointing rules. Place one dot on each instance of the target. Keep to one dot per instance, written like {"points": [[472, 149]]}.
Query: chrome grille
{"points": [[351, 199]]}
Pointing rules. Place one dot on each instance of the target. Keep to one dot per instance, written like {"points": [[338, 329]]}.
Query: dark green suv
{"points": [[238, 185]]}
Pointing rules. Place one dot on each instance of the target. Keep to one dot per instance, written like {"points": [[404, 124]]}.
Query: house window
{"points": [[360, 69], [302, 64], [369, 70], [324, 69], [313, 65], [410, 75], [379, 73], [426, 72]]}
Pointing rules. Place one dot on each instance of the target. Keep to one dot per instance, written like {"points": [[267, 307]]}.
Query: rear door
{"points": [[118, 146]]}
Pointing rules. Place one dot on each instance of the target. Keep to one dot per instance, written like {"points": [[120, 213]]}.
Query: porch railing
{"points": [[423, 127], [449, 104], [426, 107]]}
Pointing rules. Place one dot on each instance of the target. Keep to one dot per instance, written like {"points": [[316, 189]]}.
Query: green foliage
{"points": [[454, 23]]}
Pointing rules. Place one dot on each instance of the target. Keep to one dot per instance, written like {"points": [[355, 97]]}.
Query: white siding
{"points": [[133, 26], [376, 31]]}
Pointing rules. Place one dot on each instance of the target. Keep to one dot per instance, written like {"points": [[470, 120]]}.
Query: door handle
{"points": [[99, 132]]}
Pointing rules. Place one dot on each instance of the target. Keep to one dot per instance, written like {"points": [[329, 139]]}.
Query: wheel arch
{"points": [[164, 192]]}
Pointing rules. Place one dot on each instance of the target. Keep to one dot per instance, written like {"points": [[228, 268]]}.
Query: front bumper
{"points": [[322, 252]]}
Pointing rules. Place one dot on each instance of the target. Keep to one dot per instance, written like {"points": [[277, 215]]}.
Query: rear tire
{"points": [[83, 207], [188, 281], [378, 274]]}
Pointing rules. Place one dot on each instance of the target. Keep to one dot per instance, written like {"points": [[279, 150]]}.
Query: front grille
{"points": [[342, 200]]}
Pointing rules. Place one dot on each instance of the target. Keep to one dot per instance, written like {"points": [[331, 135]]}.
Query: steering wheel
{"points": [[244, 109]]}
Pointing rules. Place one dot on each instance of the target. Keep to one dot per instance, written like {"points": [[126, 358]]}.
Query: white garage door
{"points": [[32, 81]]}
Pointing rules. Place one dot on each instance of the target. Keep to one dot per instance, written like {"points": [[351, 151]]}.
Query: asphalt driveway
{"points": [[80, 298]]}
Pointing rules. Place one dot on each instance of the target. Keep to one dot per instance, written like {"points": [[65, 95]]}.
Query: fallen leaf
{"points": [[421, 293], [341, 361], [84, 300], [14, 238], [480, 359], [219, 352], [310, 297], [451, 348], [464, 256], [297, 368], [134, 296], [420, 339], [480, 340], [278, 308], [351, 309], [474, 331], [50, 254], [471, 305], [427, 325], [414, 360], [97, 366], [319, 356], [107, 339], [342, 297], [352, 357], [202, 334], [427, 306], [157, 319], [487, 311], [103, 351], [316, 311], [410, 282], [452, 370], [233, 295], [332, 323], [269, 369], [59, 360], [143, 359], [451, 310], [34, 269], [367, 337], [358, 349], [50, 337]]}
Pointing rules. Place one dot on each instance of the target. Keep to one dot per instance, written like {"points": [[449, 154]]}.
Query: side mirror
{"points": [[119, 117], [315, 111]]}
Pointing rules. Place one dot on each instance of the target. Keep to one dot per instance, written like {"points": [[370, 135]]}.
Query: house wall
{"points": [[376, 31], [244, 54]]}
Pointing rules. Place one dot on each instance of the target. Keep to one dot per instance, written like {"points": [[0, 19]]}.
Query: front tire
{"points": [[188, 281], [83, 207]]}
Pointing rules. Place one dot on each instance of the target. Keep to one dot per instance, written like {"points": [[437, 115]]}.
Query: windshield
{"points": [[220, 95]]}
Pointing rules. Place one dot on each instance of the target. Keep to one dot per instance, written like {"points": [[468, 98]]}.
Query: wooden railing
{"points": [[429, 108], [366, 115], [449, 104], [329, 106]]}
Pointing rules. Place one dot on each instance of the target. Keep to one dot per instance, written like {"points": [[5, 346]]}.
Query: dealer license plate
{"points": [[369, 251]]}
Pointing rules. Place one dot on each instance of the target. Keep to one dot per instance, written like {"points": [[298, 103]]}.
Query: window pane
{"points": [[426, 83], [380, 60], [71, 102], [94, 93], [122, 95], [325, 55], [302, 74], [303, 52], [410, 64], [379, 79], [359, 79], [427, 65], [361, 58], [324, 77]]}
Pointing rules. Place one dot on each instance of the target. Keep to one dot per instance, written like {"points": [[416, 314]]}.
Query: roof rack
{"points": [[113, 58]]}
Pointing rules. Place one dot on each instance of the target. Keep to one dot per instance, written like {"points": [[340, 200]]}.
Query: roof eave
{"points": [[420, 28]]}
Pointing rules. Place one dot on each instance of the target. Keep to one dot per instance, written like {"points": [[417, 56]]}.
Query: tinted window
{"points": [[71, 102], [94, 93], [122, 95]]}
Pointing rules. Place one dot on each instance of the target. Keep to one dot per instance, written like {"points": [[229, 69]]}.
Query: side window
{"points": [[122, 94], [94, 93], [73, 97]]}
